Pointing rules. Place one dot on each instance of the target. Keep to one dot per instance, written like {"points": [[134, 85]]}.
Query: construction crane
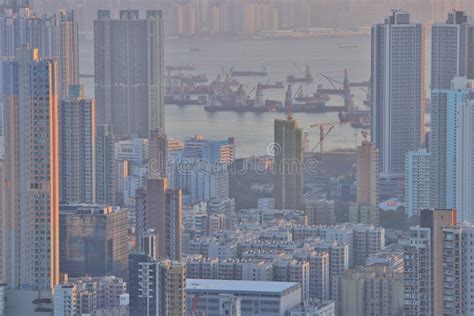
{"points": [[289, 99], [322, 134], [324, 130]]}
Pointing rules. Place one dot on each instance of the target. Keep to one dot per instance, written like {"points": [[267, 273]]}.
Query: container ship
{"points": [[353, 116], [276, 85], [308, 77], [226, 99], [249, 73]]}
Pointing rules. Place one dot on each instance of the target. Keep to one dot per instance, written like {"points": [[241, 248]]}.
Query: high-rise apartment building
{"points": [[77, 147], [417, 182], [418, 282], [460, 148], [464, 154], [129, 57], [289, 169], [367, 173], [366, 208], [397, 89], [66, 49], [458, 267], [105, 180], [423, 263], [451, 56], [160, 210], [93, 240], [31, 172], [367, 241], [450, 51], [445, 138], [156, 287], [55, 37], [371, 291]]}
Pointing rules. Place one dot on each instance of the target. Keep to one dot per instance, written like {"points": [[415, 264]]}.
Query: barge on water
{"points": [[249, 73]]}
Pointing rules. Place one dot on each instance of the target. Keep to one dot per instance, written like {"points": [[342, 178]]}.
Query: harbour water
{"points": [[254, 131]]}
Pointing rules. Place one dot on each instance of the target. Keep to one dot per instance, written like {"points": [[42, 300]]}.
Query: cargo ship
{"points": [[249, 73], [308, 107], [185, 100], [308, 77], [316, 97], [353, 116], [226, 99], [276, 85]]}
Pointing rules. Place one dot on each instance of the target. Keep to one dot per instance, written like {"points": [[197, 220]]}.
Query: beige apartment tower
{"points": [[31, 174]]}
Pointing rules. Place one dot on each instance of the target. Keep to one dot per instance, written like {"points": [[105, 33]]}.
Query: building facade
{"points": [[129, 57], [93, 240], [77, 147], [417, 182], [288, 166], [397, 89], [32, 172]]}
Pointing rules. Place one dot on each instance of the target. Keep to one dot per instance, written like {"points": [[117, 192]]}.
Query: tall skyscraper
{"points": [[31, 172], [55, 37], [461, 118], [105, 165], [417, 182], [289, 169], [397, 89], [77, 147], [129, 57], [66, 50], [160, 210], [459, 147], [450, 52]]}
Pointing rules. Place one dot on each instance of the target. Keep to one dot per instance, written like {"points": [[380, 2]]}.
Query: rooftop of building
{"points": [[223, 286]]}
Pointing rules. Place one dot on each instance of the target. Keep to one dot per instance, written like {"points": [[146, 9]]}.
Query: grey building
{"points": [[159, 210], [452, 54], [288, 166], [106, 183], [55, 36], [397, 89], [450, 49], [77, 147], [128, 57], [93, 240]]}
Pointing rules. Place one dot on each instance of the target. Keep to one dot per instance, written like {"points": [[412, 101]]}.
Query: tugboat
{"points": [[308, 77]]}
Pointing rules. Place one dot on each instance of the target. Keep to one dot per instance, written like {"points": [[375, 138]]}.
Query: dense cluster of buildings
{"points": [[103, 214]]}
